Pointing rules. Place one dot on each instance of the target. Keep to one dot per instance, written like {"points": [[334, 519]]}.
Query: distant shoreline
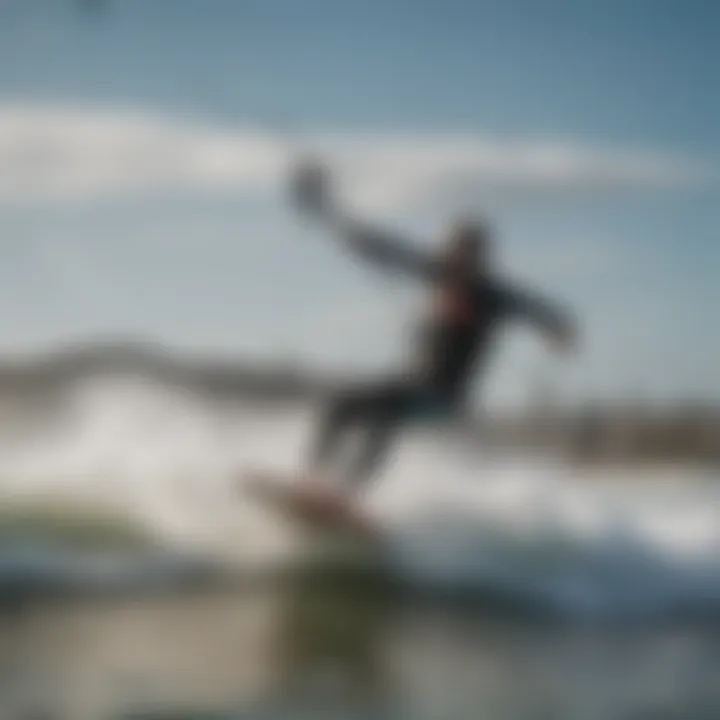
{"points": [[591, 434]]}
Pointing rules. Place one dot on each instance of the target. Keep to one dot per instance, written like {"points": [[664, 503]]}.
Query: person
{"points": [[468, 305]]}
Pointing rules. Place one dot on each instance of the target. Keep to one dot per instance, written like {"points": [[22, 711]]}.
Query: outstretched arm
{"points": [[310, 189], [382, 249], [555, 323]]}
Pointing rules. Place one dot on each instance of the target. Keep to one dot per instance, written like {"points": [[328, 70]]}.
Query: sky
{"points": [[144, 148]]}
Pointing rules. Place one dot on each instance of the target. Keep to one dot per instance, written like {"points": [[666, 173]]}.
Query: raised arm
{"points": [[310, 190], [555, 323], [390, 253]]}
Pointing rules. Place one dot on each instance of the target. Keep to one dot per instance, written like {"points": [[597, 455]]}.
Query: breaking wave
{"points": [[534, 532]]}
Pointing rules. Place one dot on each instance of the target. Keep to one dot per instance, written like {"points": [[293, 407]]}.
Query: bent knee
{"points": [[343, 408]]}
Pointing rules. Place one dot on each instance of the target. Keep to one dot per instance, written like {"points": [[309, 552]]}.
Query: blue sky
{"points": [[586, 130]]}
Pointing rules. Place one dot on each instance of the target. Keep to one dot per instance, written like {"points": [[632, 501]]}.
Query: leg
{"points": [[380, 433], [379, 408], [388, 408], [343, 411]]}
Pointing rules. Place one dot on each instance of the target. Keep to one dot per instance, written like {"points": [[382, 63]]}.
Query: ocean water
{"points": [[528, 588], [302, 652]]}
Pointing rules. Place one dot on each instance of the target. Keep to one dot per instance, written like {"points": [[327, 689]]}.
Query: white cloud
{"points": [[56, 154]]}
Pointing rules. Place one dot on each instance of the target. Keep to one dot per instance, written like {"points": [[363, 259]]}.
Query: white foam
{"points": [[613, 540]]}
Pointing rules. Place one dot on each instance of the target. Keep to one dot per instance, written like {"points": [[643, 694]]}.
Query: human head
{"points": [[468, 246]]}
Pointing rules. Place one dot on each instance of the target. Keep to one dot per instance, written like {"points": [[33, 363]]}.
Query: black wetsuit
{"points": [[453, 344]]}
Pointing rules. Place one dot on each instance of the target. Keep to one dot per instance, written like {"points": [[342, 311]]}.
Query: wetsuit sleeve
{"points": [[385, 251], [535, 309]]}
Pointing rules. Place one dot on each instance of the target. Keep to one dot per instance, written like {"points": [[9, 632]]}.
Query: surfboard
{"points": [[311, 504]]}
